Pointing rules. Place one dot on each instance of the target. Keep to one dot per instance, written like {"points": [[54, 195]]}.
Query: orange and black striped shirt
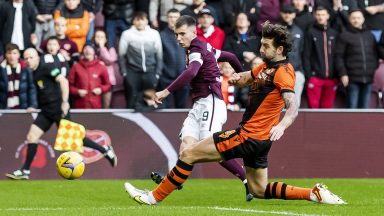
{"points": [[265, 102]]}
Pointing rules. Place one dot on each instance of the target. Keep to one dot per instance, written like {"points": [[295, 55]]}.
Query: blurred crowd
{"points": [[118, 53]]}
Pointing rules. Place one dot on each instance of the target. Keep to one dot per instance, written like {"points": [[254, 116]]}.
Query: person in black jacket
{"points": [[173, 63], [245, 44], [318, 61], [304, 18], [17, 23], [288, 14], [339, 10], [356, 60]]}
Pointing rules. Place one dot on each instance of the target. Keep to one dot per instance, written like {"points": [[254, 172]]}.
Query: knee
{"points": [[32, 138], [187, 155]]}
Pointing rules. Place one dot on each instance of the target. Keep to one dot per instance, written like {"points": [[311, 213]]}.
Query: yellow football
{"points": [[70, 165]]}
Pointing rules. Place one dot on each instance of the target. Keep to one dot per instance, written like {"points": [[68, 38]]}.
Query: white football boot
{"points": [[323, 195], [140, 196]]}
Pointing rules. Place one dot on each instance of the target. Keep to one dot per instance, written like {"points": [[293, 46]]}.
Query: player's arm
{"points": [[290, 115], [64, 87], [182, 80], [241, 79], [223, 56]]}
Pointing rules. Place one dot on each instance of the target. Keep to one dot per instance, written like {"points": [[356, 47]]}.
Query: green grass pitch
{"points": [[211, 197]]}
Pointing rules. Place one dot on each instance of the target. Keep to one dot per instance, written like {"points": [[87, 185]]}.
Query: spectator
{"points": [[228, 90], [118, 16], [68, 48], [78, 21], [198, 5], [173, 63], [319, 49], [44, 18], [288, 14], [108, 56], [217, 6], [162, 7], [93, 7], [357, 60], [88, 80], [53, 48], [374, 15], [207, 31], [339, 10], [17, 90], [231, 8], [304, 18], [245, 44], [140, 57], [269, 10], [17, 23]]}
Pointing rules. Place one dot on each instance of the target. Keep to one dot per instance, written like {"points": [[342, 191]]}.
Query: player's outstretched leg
{"points": [[107, 151], [237, 170], [319, 193], [175, 178], [157, 178]]}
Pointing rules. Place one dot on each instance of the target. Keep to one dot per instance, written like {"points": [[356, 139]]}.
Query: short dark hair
{"points": [[355, 10], [173, 10], [280, 35], [321, 7], [54, 38], [11, 46], [139, 15], [185, 20]]}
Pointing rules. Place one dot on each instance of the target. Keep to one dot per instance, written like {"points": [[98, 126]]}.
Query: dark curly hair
{"points": [[280, 35]]}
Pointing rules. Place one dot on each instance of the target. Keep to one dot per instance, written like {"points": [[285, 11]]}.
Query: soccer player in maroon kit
{"points": [[209, 111]]}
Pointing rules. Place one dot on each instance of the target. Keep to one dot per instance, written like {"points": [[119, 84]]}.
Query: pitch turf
{"points": [[211, 197]]}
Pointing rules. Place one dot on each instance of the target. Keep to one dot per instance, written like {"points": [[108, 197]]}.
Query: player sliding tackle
{"points": [[272, 89]]}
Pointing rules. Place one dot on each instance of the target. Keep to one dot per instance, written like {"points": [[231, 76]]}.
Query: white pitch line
{"points": [[174, 207], [262, 211]]}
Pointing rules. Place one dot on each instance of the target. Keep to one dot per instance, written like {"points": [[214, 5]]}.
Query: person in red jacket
{"points": [[88, 80], [207, 31]]}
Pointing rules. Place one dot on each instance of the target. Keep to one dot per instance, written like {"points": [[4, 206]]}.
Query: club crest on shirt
{"points": [[226, 134]]}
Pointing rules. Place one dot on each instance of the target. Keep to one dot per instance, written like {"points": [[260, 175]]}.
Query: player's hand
{"points": [[82, 92], [159, 96], [234, 79], [344, 80], [97, 91], [65, 107], [31, 110], [276, 133]]}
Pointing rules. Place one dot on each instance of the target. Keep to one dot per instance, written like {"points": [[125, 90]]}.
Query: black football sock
{"points": [[91, 144], [31, 153]]}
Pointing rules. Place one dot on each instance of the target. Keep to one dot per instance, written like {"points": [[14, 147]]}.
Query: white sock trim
{"points": [[151, 198]]}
